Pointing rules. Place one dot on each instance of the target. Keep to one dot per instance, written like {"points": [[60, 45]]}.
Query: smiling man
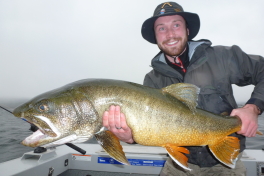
{"points": [[212, 68], [171, 35]]}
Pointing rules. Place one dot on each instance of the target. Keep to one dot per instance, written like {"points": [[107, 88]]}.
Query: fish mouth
{"points": [[41, 135], [35, 139], [48, 136]]}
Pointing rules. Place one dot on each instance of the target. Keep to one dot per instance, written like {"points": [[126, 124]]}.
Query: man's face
{"points": [[171, 34]]}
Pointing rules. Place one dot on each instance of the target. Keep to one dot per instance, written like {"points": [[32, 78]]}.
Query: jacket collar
{"points": [[194, 44], [159, 63]]}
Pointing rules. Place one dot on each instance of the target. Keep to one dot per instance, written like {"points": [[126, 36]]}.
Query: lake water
{"points": [[13, 130]]}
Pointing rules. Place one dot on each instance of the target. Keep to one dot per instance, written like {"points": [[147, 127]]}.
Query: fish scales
{"points": [[165, 117], [147, 130], [153, 129]]}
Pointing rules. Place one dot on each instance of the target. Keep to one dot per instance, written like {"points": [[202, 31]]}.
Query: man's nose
{"points": [[170, 33]]}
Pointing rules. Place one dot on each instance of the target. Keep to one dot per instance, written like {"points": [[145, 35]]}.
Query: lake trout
{"points": [[165, 117]]}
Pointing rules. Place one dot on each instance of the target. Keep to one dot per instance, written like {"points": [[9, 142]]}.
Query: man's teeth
{"points": [[171, 43]]}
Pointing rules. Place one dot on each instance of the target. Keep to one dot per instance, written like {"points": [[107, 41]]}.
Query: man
{"points": [[212, 69]]}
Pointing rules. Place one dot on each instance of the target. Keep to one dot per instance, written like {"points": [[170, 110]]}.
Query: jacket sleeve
{"points": [[248, 70]]}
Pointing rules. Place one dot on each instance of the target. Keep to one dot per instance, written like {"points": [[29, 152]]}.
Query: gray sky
{"points": [[46, 44]]}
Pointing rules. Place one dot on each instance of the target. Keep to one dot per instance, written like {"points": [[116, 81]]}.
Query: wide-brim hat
{"points": [[166, 9]]}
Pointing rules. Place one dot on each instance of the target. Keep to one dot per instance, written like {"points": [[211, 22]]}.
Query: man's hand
{"points": [[249, 117], [115, 121]]}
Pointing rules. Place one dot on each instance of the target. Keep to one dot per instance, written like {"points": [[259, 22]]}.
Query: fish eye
{"points": [[43, 107]]}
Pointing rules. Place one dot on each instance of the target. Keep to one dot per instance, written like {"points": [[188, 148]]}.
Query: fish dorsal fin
{"points": [[186, 93], [111, 145]]}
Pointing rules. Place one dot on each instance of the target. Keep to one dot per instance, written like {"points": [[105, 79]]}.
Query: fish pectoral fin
{"points": [[259, 133], [176, 153], [112, 146], [227, 150], [186, 93]]}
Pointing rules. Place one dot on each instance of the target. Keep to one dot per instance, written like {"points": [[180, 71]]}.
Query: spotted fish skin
{"points": [[165, 117]]}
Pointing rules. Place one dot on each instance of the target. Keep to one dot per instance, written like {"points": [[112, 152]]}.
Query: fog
{"points": [[46, 44]]}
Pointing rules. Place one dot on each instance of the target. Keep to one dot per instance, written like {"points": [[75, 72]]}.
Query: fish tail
{"points": [[226, 150]]}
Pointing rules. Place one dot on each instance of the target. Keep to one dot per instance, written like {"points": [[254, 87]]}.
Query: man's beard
{"points": [[174, 51]]}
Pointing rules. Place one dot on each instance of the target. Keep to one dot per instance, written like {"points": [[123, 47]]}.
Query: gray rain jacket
{"points": [[213, 70]]}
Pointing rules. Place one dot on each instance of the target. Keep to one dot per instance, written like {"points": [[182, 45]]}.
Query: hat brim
{"points": [[192, 20]]}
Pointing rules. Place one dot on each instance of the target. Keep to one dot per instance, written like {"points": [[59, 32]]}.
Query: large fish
{"points": [[165, 117]]}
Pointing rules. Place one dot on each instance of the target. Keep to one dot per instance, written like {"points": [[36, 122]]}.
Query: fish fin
{"points": [[187, 93], [259, 133], [111, 145], [227, 150], [176, 153], [225, 114]]}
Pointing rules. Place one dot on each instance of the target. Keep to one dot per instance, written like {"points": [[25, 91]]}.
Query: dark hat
{"points": [[166, 9]]}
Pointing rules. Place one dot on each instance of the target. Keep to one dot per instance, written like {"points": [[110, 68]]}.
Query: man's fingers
{"points": [[111, 117], [117, 117], [252, 132], [105, 119], [248, 130], [115, 121], [123, 122]]}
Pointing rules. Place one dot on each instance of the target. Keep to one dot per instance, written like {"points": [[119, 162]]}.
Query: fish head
{"points": [[62, 116]]}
